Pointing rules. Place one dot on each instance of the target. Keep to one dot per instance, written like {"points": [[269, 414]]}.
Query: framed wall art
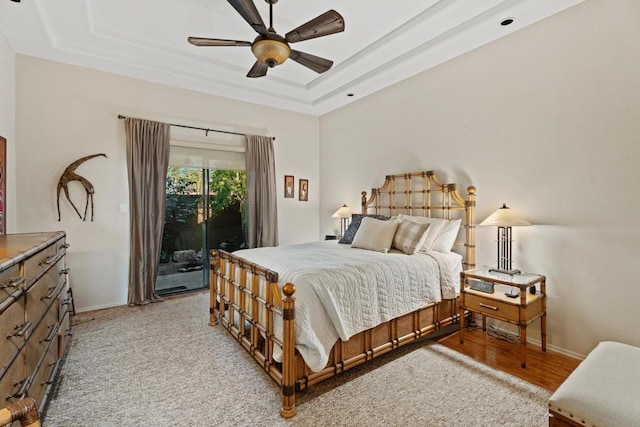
{"points": [[303, 194], [288, 186], [3, 185]]}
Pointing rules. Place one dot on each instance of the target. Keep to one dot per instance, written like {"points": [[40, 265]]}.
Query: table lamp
{"points": [[344, 213], [505, 218]]}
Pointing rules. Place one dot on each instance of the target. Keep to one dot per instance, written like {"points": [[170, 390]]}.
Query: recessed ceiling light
{"points": [[507, 21]]}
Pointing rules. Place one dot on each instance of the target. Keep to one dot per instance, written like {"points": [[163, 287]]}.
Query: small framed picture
{"points": [[288, 186], [303, 194]]}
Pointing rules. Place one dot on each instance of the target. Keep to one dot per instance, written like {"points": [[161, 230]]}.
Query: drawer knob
{"points": [[490, 307]]}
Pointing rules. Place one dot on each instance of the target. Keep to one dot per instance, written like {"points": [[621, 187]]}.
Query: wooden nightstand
{"points": [[521, 310]]}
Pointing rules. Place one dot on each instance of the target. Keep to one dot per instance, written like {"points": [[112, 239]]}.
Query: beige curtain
{"points": [[262, 212], [147, 162]]}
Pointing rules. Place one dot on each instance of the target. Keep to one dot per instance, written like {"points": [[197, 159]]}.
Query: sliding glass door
{"points": [[204, 211]]}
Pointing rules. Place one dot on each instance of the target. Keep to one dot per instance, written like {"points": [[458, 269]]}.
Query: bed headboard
{"points": [[421, 194]]}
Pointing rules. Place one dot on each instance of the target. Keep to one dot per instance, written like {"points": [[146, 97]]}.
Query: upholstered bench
{"points": [[604, 390]]}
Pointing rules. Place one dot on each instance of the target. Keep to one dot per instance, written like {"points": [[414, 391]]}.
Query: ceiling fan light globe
{"points": [[271, 52]]}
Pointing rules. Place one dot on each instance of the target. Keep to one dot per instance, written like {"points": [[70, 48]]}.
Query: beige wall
{"points": [[546, 120], [7, 125], [66, 112]]}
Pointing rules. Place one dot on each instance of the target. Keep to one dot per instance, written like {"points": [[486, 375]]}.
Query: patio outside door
{"points": [[203, 212]]}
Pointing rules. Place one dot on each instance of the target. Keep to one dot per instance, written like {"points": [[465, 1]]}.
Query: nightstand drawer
{"points": [[490, 307]]}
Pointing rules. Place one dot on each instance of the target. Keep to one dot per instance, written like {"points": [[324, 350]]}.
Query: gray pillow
{"points": [[354, 225]]}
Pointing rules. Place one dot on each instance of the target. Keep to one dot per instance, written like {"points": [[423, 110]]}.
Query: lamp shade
{"points": [[343, 212], [505, 217], [271, 52]]}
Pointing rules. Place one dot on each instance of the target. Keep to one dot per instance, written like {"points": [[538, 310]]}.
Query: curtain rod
{"points": [[206, 130]]}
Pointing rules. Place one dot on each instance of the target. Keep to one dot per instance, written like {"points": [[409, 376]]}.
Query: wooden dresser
{"points": [[35, 306]]}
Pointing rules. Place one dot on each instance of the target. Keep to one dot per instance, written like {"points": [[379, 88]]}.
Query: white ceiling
{"points": [[383, 42]]}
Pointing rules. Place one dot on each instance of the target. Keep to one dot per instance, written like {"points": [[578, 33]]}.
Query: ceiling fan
{"points": [[270, 48]]}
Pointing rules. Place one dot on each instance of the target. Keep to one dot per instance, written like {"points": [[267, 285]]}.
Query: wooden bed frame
{"points": [[246, 297]]}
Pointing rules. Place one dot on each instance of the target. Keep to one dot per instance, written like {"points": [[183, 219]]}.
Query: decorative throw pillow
{"points": [[375, 234], [447, 236], [432, 232], [410, 236], [350, 233]]}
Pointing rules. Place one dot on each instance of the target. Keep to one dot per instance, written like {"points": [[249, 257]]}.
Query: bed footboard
{"points": [[246, 300]]}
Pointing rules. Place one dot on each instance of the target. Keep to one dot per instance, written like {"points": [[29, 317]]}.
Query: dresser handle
{"points": [[13, 283], [65, 246], [54, 330], [26, 383], [23, 389], [48, 260], [20, 331], [51, 294], [490, 307], [49, 380], [64, 271]]}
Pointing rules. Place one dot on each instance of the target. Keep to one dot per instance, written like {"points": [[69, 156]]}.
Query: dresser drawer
{"points": [[42, 294], [492, 308], [36, 264], [13, 330], [42, 379], [12, 383], [10, 281], [64, 333], [44, 335]]}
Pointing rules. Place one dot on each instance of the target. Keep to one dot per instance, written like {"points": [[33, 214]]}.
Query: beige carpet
{"points": [[162, 365]]}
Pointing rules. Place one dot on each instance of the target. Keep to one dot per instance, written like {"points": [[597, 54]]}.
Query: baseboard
{"points": [[557, 349], [537, 342], [85, 310]]}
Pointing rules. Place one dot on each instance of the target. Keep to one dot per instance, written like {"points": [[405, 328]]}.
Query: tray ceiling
{"points": [[383, 43]]}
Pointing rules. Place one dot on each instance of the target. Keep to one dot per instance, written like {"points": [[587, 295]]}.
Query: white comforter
{"points": [[341, 291]]}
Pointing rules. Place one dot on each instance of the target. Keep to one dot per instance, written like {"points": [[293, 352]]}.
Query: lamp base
{"points": [[509, 272]]}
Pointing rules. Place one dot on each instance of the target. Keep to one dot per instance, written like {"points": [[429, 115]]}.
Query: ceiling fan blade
{"points": [[247, 9], [203, 41], [317, 64], [330, 22], [259, 69]]}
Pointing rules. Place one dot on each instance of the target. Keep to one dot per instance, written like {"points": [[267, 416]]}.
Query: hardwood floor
{"points": [[547, 370]]}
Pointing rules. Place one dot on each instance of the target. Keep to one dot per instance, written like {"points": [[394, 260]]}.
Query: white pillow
{"points": [[410, 236], [375, 235], [447, 236], [436, 225]]}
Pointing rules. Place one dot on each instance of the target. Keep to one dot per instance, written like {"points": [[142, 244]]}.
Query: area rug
{"points": [[162, 365]]}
